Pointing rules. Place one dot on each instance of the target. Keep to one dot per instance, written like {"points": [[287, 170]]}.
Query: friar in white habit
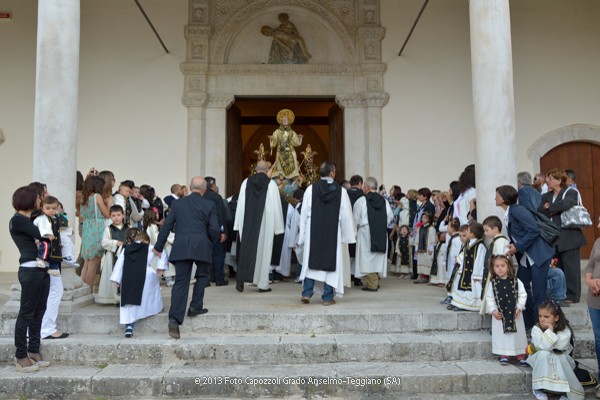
{"points": [[258, 218], [325, 225], [372, 214]]}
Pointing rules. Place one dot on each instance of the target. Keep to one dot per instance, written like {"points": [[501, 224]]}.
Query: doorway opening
{"points": [[250, 120]]}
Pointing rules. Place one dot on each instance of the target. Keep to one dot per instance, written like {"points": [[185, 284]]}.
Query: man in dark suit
{"points": [[176, 193], [532, 252], [196, 228], [218, 261]]}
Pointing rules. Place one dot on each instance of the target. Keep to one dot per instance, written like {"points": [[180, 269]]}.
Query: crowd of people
{"points": [[339, 235]]}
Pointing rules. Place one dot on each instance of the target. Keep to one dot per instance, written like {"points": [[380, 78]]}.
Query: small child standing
{"points": [[50, 248], [66, 238], [492, 229], [552, 365], [466, 290], [403, 251], [139, 283], [150, 226], [424, 243], [453, 247], [505, 300], [438, 271], [112, 242]]}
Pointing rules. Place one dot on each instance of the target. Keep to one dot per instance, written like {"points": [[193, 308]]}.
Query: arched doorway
{"points": [[251, 119], [584, 159]]}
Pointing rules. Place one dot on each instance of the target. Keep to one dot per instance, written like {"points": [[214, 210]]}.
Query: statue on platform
{"points": [[285, 139], [287, 46]]}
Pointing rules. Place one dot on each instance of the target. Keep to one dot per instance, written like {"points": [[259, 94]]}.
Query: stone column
{"points": [[374, 142], [56, 98], [215, 153], [355, 134], [493, 101]]}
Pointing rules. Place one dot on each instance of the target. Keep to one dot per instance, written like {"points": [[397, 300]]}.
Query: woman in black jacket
{"points": [[35, 282], [560, 198]]}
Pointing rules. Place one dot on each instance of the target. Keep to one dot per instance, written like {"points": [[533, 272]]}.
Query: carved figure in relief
{"points": [[287, 46], [285, 139]]}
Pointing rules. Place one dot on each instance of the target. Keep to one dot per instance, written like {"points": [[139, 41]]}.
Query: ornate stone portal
{"points": [[228, 56]]}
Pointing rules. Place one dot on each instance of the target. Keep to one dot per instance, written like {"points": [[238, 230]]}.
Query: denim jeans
{"points": [[35, 286], [595, 318], [556, 284], [308, 290]]}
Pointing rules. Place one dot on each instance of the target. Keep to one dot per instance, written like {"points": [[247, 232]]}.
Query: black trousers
{"points": [[35, 286], [181, 288], [570, 262]]}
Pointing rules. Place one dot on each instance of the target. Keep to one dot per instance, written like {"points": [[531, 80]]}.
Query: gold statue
{"points": [[312, 175], [285, 139]]}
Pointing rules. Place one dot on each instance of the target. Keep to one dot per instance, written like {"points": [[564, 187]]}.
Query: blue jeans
{"points": [[595, 318], [308, 290], [556, 284]]}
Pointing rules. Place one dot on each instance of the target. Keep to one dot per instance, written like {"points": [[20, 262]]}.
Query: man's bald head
{"points": [[262, 166], [198, 185]]}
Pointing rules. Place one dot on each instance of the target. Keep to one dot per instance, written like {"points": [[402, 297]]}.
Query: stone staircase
{"points": [[396, 343]]}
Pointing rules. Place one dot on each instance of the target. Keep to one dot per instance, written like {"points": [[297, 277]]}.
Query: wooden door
{"points": [[234, 150], [584, 159], [336, 141]]}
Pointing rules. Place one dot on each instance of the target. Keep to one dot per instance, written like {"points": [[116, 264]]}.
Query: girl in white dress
{"points": [[552, 365], [505, 300], [139, 282]]}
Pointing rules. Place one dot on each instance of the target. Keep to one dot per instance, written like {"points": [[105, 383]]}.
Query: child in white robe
{"points": [[112, 242], [505, 300], [140, 294], [552, 365], [466, 289]]}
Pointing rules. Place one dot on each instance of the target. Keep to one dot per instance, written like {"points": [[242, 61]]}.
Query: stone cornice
{"points": [[188, 68], [220, 100], [288, 69], [369, 99]]}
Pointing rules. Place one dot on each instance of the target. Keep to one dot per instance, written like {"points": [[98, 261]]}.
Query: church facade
{"points": [[498, 83]]}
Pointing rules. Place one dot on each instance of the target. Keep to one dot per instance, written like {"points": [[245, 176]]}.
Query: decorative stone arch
{"points": [[569, 133], [229, 33]]}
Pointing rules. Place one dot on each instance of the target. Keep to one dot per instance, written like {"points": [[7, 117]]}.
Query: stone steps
{"points": [[319, 320], [94, 350], [347, 380]]}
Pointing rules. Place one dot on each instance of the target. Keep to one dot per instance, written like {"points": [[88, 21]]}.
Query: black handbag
{"points": [[548, 230]]}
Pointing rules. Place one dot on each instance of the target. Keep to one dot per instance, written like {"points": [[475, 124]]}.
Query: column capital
{"points": [[368, 99], [194, 99]]}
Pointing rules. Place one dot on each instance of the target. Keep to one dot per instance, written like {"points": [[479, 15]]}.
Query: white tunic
{"points": [[425, 259], [295, 233], [469, 299], [368, 262], [346, 234], [552, 371], [513, 343], [500, 248], [152, 303], [463, 204], [107, 293], [442, 276], [286, 252], [271, 225]]}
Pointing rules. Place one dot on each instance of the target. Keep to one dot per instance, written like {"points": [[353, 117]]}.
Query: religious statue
{"points": [[287, 46], [285, 139]]}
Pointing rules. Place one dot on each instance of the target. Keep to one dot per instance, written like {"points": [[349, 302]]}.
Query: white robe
{"points": [[368, 262], [513, 343], [285, 262], [271, 225], [469, 300], [462, 205], [136, 216], [425, 259], [451, 258], [107, 292], [500, 248], [152, 232], [346, 235], [152, 303], [552, 371], [295, 232], [442, 276]]}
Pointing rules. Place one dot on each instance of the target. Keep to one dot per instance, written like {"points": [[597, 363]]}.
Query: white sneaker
{"points": [[70, 263], [53, 272], [540, 395]]}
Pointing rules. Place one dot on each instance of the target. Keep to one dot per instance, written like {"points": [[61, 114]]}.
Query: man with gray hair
{"points": [[529, 197], [194, 221], [372, 214], [258, 218]]}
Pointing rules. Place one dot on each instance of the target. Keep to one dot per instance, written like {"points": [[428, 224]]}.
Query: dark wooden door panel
{"points": [[234, 150], [336, 141]]}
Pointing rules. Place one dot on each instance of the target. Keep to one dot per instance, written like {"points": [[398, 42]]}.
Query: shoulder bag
{"points": [[576, 216]]}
